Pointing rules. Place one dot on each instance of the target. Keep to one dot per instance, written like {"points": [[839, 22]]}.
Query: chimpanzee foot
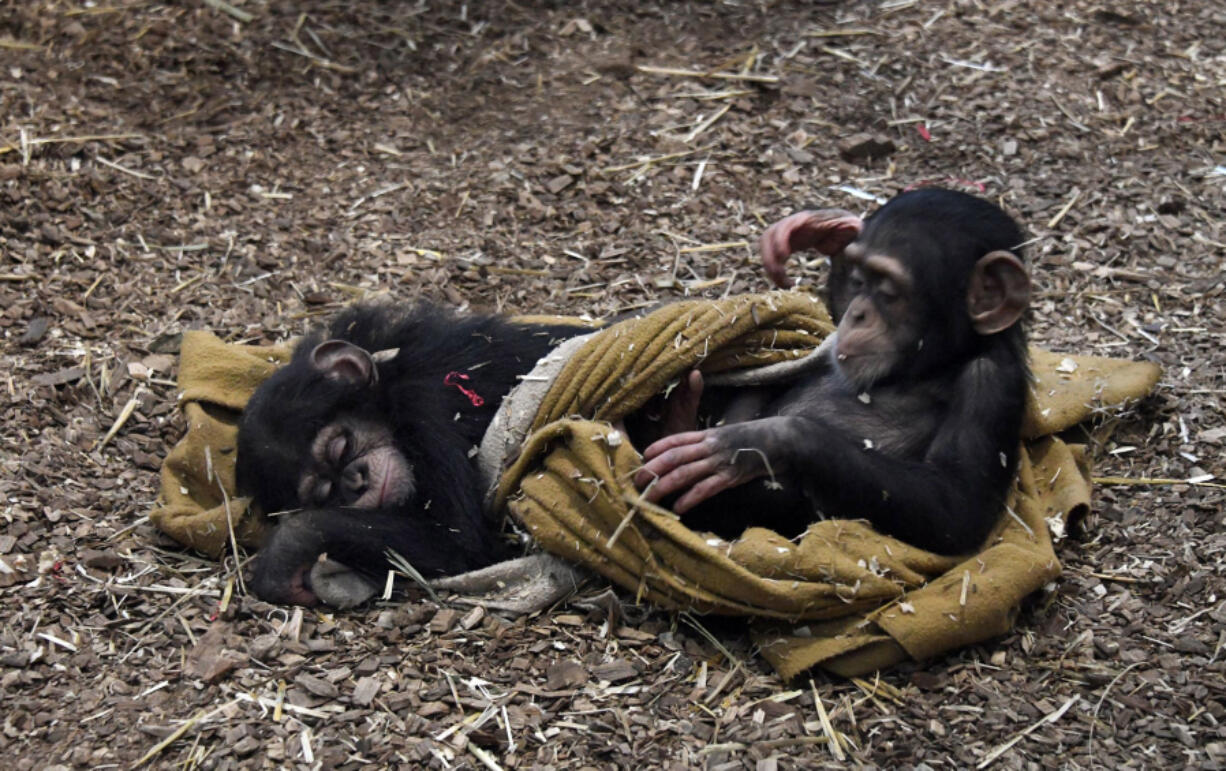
{"points": [[520, 586], [339, 586]]}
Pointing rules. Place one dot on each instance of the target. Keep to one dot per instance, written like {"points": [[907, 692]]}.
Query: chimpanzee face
{"points": [[354, 461], [872, 297], [927, 276]]}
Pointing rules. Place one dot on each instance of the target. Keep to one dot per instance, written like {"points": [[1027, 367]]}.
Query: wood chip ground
{"points": [[249, 166]]}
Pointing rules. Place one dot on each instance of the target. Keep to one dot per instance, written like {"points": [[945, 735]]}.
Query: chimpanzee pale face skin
{"points": [[876, 311], [355, 462]]}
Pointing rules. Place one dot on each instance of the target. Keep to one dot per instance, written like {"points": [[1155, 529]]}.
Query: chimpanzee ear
{"points": [[999, 292], [345, 361]]}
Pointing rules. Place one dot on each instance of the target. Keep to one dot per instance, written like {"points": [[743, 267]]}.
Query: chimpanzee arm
{"points": [[946, 502], [359, 539], [950, 500]]}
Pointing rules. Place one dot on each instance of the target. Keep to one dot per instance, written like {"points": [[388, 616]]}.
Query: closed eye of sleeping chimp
{"points": [[337, 448], [331, 452], [321, 492], [887, 292]]}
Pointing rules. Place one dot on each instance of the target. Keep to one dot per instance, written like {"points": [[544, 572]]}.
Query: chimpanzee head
{"points": [[314, 435], [926, 281]]}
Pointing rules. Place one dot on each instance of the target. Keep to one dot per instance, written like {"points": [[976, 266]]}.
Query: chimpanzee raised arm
{"points": [[368, 430], [914, 425]]}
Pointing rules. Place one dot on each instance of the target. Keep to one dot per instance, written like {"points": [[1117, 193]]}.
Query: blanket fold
{"points": [[842, 596]]}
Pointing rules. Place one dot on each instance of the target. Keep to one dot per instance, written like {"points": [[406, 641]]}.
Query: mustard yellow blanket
{"points": [[843, 596]]}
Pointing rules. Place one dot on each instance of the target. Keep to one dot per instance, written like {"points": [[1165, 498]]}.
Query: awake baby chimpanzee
{"points": [[369, 430], [913, 425]]}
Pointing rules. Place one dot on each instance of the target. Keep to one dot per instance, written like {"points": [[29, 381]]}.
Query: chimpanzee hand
{"points": [[826, 230], [681, 406], [704, 463]]}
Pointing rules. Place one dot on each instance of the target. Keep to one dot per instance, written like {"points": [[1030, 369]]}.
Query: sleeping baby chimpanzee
{"points": [[368, 430], [913, 425]]}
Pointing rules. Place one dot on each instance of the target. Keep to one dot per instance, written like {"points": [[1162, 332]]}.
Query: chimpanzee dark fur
{"points": [[436, 425]]}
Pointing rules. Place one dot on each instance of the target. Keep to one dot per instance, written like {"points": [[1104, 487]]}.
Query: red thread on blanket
{"points": [[453, 379]]}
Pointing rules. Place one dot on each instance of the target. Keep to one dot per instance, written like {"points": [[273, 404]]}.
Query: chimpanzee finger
{"points": [[670, 461], [669, 442], [657, 468], [775, 249], [718, 482], [681, 407], [282, 581], [683, 477]]}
